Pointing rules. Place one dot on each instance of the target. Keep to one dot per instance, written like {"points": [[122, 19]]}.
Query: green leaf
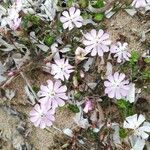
{"points": [[146, 75], [35, 20], [125, 108], [77, 95], [123, 133], [99, 4], [86, 15], [147, 60], [91, 135], [98, 16], [122, 104], [73, 108], [83, 3], [134, 57], [49, 40], [35, 88], [69, 3], [28, 19]]}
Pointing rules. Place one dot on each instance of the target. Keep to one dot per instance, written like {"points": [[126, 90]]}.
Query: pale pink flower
{"points": [[71, 18], [15, 23], [42, 116], [96, 42], [140, 3], [116, 86], [53, 94], [138, 124], [61, 69], [88, 106], [121, 51]]}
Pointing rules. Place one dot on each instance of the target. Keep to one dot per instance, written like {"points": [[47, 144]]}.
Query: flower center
{"points": [[117, 84], [41, 114], [97, 40], [72, 18], [51, 94], [121, 48], [62, 67]]}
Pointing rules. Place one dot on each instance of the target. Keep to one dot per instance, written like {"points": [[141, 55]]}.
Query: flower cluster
{"points": [[99, 42], [95, 43], [51, 96]]}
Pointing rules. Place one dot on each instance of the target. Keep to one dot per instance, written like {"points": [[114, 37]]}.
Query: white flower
{"points": [[61, 69], [121, 51], [53, 94], [96, 42], [116, 85], [137, 123], [71, 18]]}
